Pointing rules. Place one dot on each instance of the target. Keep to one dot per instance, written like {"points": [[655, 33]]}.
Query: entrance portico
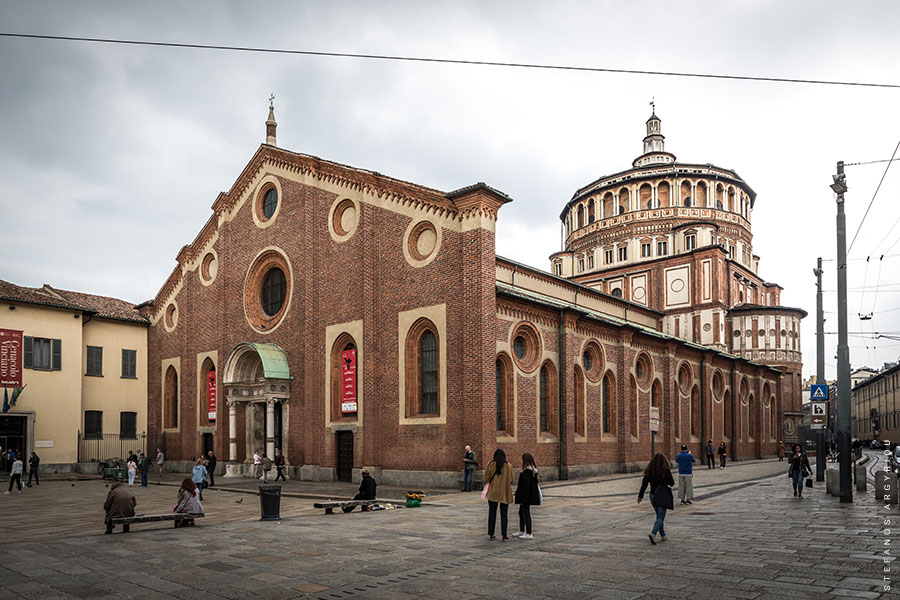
{"points": [[257, 380]]}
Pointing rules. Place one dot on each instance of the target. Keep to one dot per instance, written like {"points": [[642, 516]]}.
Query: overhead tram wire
{"points": [[872, 201], [450, 61]]}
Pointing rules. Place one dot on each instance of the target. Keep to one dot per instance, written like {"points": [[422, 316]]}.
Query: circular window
{"points": [[617, 292], [344, 219], [745, 391], [737, 333], [270, 203], [762, 333], [783, 333], [422, 242], [592, 360], [171, 318], [208, 268], [267, 290], [749, 332], [718, 385], [273, 291], [707, 327], [526, 345], [772, 332], [643, 369], [685, 378]]}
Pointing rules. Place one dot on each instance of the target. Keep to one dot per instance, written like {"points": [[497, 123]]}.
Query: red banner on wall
{"points": [[211, 395], [348, 381], [10, 358]]}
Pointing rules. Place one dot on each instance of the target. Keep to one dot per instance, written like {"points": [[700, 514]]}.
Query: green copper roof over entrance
{"points": [[274, 361]]}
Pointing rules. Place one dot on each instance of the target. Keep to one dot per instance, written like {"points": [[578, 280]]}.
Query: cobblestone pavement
{"points": [[744, 537]]}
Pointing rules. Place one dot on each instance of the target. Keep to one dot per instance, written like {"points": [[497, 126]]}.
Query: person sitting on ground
{"points": [[120, 502], [188, 501], [367, 487]]}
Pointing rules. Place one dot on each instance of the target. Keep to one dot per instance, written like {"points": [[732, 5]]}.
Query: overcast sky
{"points": [[111, 155]]}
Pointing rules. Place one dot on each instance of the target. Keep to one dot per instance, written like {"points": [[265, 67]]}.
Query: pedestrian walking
{"points": [[710, 453], [188, 502], [780, 450], [198, 476], [15, 475], [498, 478], [528, 494], [658, 477], [722, 452], [132, 470], [33, 467], [279, 465], [160, 460], [685, 462], [799, 469], [469, 466], [120, 502], [257, 461], [211, 467], [143, 467], [266, 467]]}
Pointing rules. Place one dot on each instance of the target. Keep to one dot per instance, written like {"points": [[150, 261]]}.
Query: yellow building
{"points": [[84, 361]]}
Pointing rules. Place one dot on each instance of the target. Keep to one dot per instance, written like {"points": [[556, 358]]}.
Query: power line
{"points": [[450, 61], [883, 175], [870, 162]]}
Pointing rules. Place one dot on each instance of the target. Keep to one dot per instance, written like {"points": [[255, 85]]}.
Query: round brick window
{"points": [[422, 243], [171, 317], [208, 268], [643, 370], [267, 202], [592, 360], [718, 385], [685, 378], [344, 219], [526, 344], [267, 290]]}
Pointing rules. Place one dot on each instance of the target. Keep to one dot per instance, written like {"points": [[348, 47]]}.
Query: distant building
{"points": [[85, 375], [875, 404]]}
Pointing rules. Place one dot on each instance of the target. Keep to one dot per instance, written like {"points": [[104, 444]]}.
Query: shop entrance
{"points": [[345, 455], [12, 437]]}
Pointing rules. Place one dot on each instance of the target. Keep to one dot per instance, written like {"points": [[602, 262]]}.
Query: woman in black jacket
{"points": [[527, 495], [799, 469], [658, 476]]}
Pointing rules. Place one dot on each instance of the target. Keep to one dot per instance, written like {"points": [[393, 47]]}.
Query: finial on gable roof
{"points": [[270, 123]]}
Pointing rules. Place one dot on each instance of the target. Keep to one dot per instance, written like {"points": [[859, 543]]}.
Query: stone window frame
{"points": [[269, 182], [608, 423], [170, 316], [413, 371], [643, 363], [547, 402], [209, 267], [685, 378], [204, 361], [170, 395], [410, 326], [336, 227], [267, 259], [533, 346], [505, 396], [594, 350], [410, 239], [580, 381], [340, 344]]}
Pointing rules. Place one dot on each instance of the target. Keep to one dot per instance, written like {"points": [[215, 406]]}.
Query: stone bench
{"points": [[179, 519], [329, 507]]}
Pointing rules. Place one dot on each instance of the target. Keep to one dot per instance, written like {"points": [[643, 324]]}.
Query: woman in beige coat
{"points": [[498, 476]]}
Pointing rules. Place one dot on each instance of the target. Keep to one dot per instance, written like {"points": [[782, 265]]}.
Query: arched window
{"points": [[578, 378], [726, 414], [344, 349], [751, 419], [591, 216], [171, 398], [580, 216], [609, 404], [504, 390], [695, 412], [547, 399], [634, 408], [208, 385], [422, 370]]}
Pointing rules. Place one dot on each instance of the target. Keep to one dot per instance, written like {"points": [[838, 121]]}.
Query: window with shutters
{"points": [[42, 354], [94, 366], [128, 425], [93, 424], [129, 364]]}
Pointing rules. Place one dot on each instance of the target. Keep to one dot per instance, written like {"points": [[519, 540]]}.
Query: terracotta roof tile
{"points": [[101, 306]]}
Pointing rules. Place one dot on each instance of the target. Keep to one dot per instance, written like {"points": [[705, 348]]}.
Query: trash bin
{"points": [[270, 502]]}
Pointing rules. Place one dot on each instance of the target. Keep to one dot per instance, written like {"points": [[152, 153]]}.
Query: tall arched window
{"points": [[580, 216], [634, 408], [656, 400], [344, 348], [547, 399], [609, 404], [208, 385], [423, 392], [428, 367], [695, 412], [751, 419], [504, 395], [171, 398], [590, 212], [726, 426], [578, 378]]}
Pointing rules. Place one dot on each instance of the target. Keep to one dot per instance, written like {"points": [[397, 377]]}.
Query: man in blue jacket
{"points": [[685, 462]]}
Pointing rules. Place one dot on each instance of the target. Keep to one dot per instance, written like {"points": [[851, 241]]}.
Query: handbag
{"points": [[485, 490], [809, 482], [540, 495]]}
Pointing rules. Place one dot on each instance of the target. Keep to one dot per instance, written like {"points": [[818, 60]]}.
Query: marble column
{"points": [[270, 428], [232, 430]]}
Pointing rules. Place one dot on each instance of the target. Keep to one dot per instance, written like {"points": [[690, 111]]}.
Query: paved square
{"points": [[744, 537]]}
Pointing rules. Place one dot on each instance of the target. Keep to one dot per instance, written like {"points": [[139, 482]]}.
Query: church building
{"points": [[354, 320]]}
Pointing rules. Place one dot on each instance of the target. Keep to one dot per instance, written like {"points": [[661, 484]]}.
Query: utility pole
{"points": [[820, 367], [842, 427]]}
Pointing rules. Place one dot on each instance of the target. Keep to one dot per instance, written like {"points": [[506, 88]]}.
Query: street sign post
{"points": [[818, 413]]}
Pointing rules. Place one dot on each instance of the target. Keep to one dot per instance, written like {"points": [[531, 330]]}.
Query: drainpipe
{"points": [[563, 469], [733, 395], [703, 401]]}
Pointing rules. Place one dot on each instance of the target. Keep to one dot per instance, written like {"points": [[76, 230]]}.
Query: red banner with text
{"points": [[10, 358], [348, 381], [211, 395]]}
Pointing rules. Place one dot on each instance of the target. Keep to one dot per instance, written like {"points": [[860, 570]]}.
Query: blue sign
{"points": [[818, 391]]}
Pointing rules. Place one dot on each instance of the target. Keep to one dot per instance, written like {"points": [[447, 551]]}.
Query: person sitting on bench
{"points": [[366, 490], [188, 502], [120, 502]]}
